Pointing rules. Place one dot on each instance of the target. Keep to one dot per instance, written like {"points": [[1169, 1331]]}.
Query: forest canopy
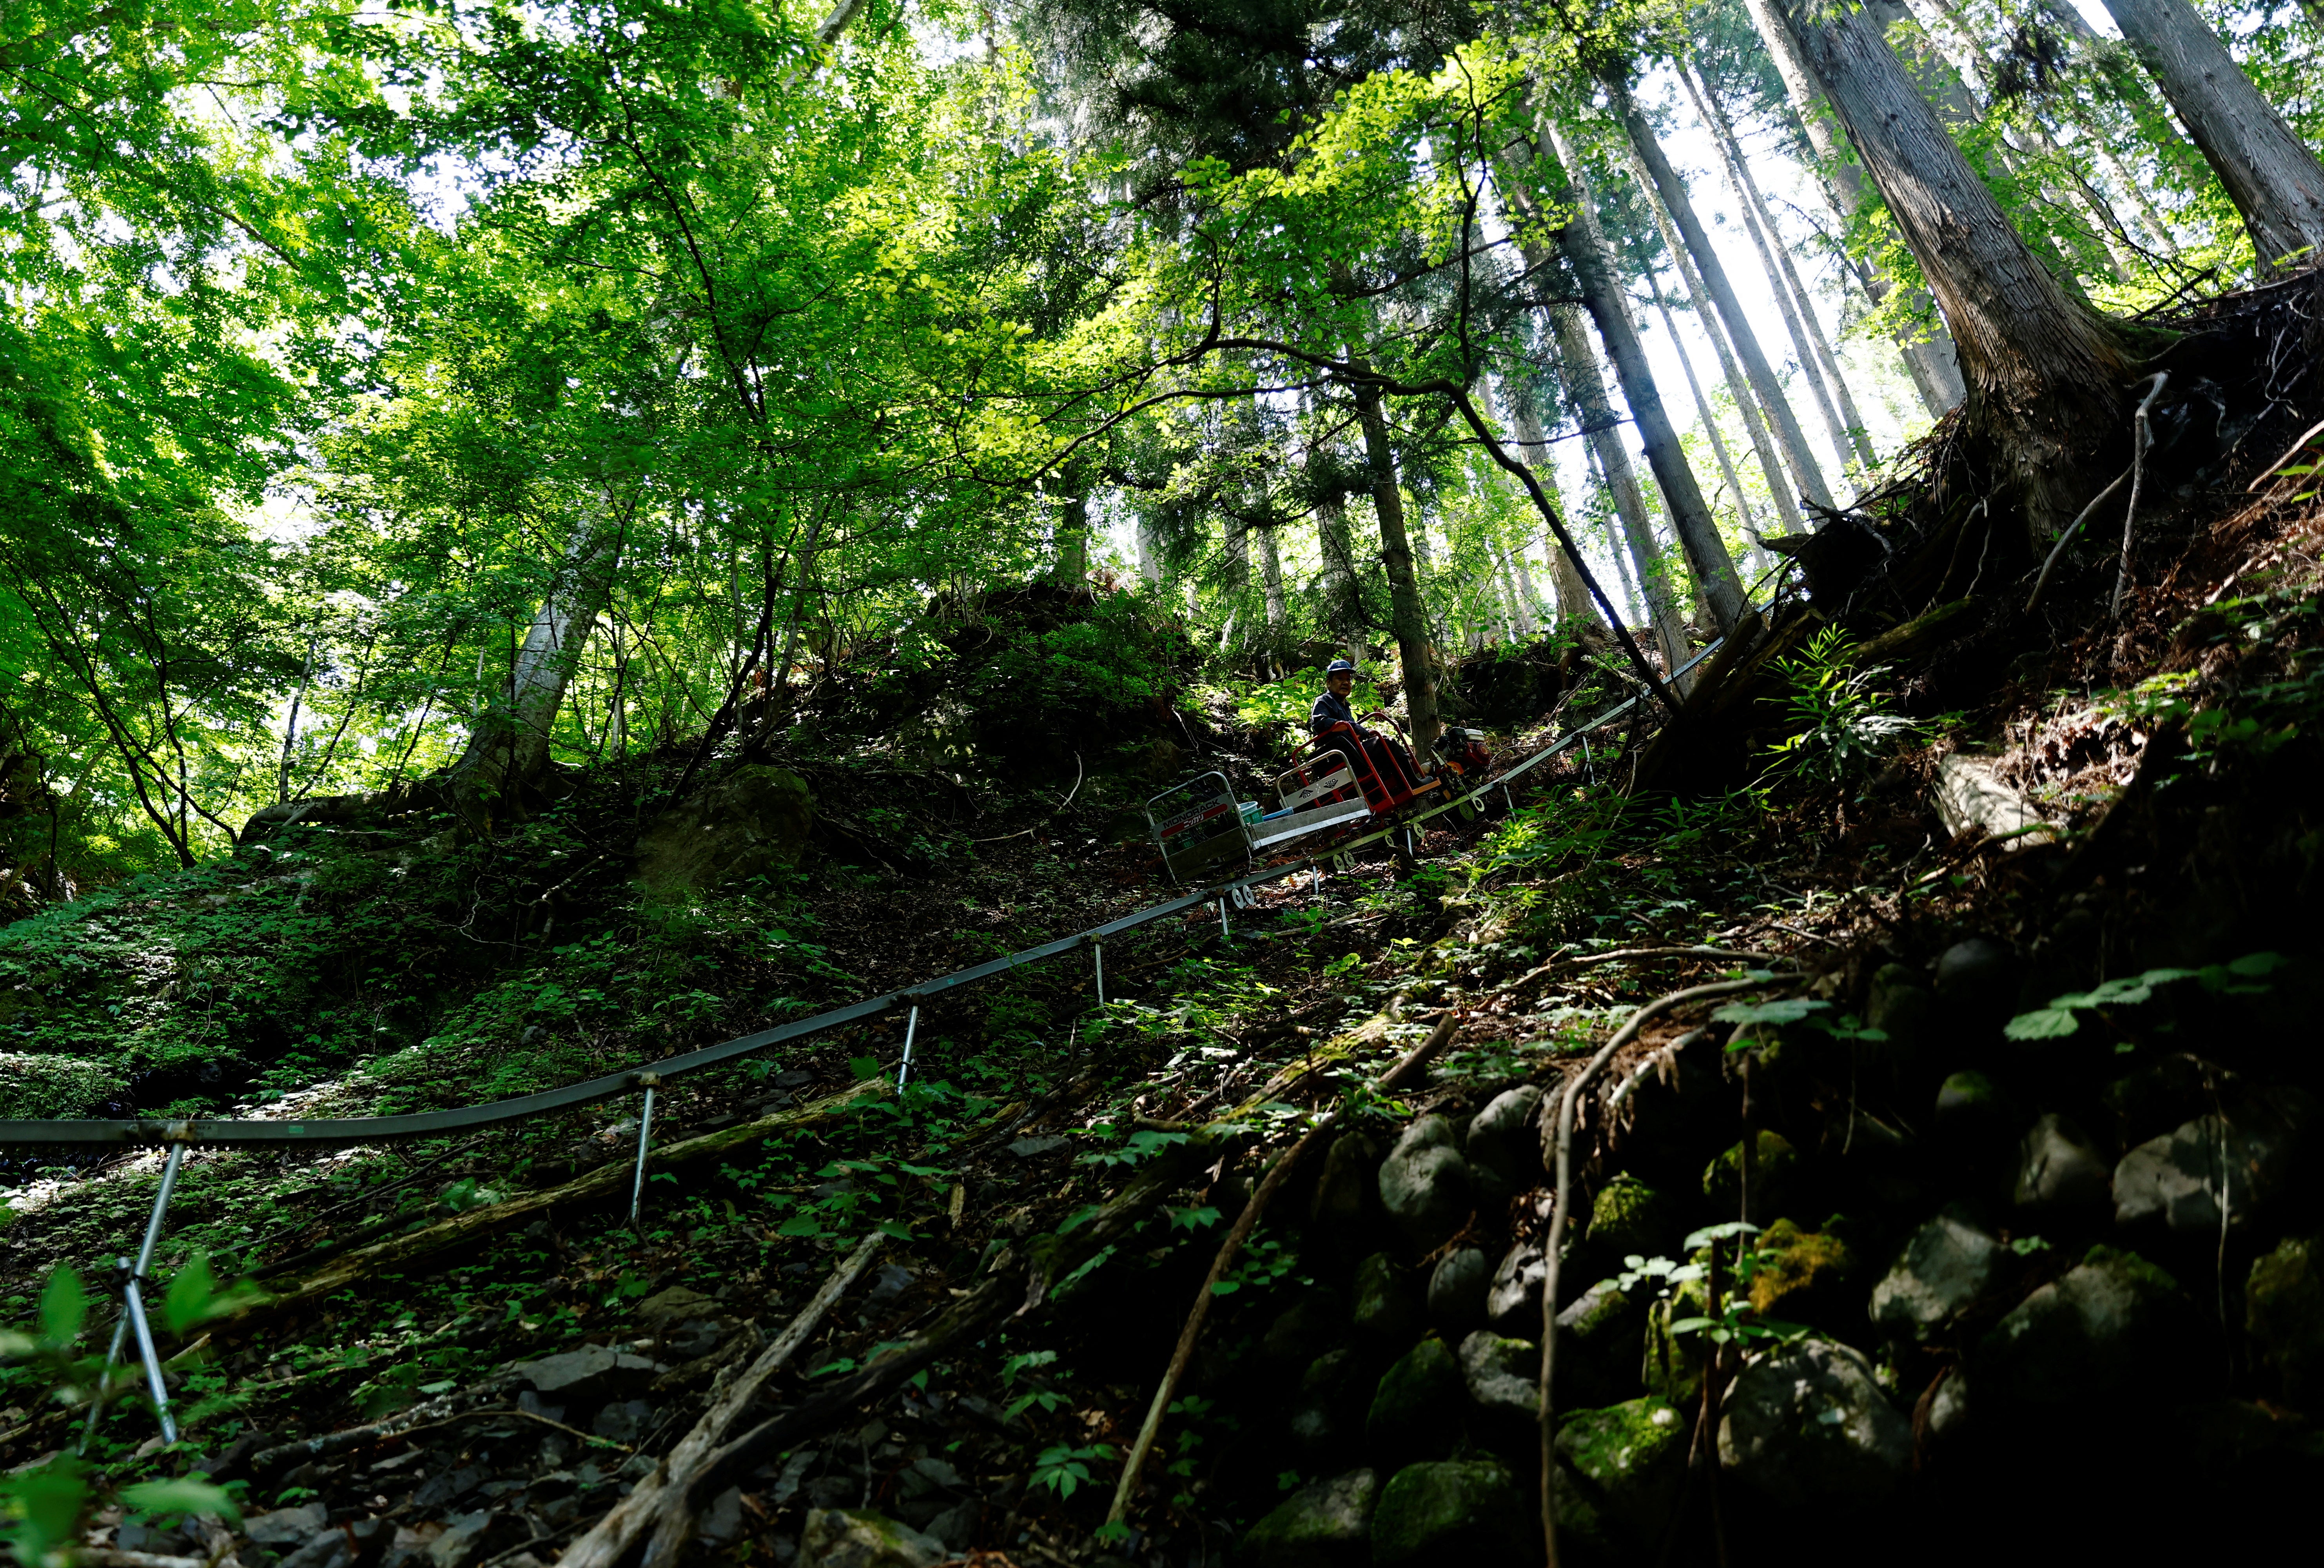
{"points": [[457, 392]]}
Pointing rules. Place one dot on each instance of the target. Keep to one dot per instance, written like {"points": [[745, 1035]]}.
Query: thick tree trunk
{"points": [[1408, 614], [1584, 249], [1794, 441], [1071, 567], [1578, 366], [1930, 361], [2271, 176], [1754, 425], [1710, 423], [1270, 576], [1342, 604], [2043, 369], [1573, 600], [509, 746], [1816, 356]]}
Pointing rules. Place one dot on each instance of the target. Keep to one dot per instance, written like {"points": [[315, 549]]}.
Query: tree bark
{"points": [[1271, 574], [2043, 369], [1755, 424], [509, 747], [1343, 606], [1572, 600], [1071, 567], [1407, 614], [1709, 424], [2271, 176], [1848, 431], [1931, 362], [1756, 368], [1584, 249]]}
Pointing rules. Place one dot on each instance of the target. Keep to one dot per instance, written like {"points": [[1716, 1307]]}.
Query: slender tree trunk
{"points": [[2132, 91], [1573, 600], [1754, 425], [1585, 251], [1702, 408], [2273, 178], [1408, 613], [510, 745], [1149, 570], [1931, 361], [1343, 606], [1617, 548], [1799, 313], [1071, 567], [1271, 574], [1756, 368]]}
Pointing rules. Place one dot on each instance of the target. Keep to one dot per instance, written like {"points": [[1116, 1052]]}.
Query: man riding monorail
{"points": [[1387, 754]]}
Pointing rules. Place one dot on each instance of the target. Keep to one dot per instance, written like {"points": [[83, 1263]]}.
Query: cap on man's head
{"points": [[1339, 666]]}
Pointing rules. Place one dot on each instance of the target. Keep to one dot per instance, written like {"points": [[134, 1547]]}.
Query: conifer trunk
{"points": [[1573, 600], [2270, 174], [2043, 371], [1407, 614], [1805, 472]]}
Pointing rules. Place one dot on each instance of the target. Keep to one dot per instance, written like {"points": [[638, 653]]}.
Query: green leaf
{"points": [[46, 1507], [1081, 1216], [1785, 1009], [189, 1295], [900, 1231], [63, 1307], [863, 1067], [2044, 1023], [168, 1498], [2257, 963]]}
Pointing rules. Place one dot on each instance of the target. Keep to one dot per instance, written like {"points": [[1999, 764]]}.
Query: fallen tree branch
{"points": [[1410, 1066], [659, 1502], [1591, 960], [606, 1181], [1051, 1258], [1563, 1207]]}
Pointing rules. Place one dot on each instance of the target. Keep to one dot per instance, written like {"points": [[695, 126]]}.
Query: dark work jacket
{"points": [[1329, 709]]}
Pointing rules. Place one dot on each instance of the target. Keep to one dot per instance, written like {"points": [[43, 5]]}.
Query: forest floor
{"points": [[2017, 1110]]}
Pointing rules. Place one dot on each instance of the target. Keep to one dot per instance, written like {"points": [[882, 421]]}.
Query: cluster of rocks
{"points": [[1989, 1268]]}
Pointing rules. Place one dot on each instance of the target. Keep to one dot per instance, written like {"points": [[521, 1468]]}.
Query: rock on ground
{"points": [[2177, 1178], [2284, 1312], [1944, 1268], [1327, 1525], [1456, 1291], [1387, 1308], [1632, 1458], [2096, 1332], [1628, 1217], [2058, 1171], [862, 1538], [1453, 1511], [1424, 1183], [1513, 1302], [1416, 1412], [1503, 1144], [1808, 1427]]}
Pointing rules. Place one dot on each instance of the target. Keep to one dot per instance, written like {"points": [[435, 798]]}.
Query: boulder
{"points": [[2092, 1333], [1970, 795], [1807, 1427], [1628, 1217], [1949, 1408], [1457, 1288], [1416, 1412], [2284, 1312], [1632, 1457], [1597, 1334], [591, 1373], [1346, 1195], [1513, 1302], [283, 1526], [1327, 1525], [1387, 1306], [1901, 1006], [1303, 1331], [1803, 1276], [2059, 1172], [1979, 977], [1453, 1511], [1503, 1377], [1971, 1111], [665, 1310], [1771, 1176], [1944, 1268], [2177, 1178], [1329, 1413], [1424, 1183], [753, 821], [863, 1538], [1504, 1146]]}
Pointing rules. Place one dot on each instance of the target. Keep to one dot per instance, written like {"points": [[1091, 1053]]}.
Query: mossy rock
{"points": [[2106, 1328], [1417, 1410], [1628, 1217], [2283, 1311], [1803, 1276], [1327, 1525], [1452, 1511], [1386, 1309], [1632, 1457], [1771, 1180]]}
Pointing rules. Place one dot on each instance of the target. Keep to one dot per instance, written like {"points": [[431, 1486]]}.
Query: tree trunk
{"points": [[1270, 575], [2271, 176], [1343, 606], [1799, 313], [1408, 614], [1756, 368], [1585, 251], [1071, 567], [1633, 603], [1579, 367], [509, 746], [1931, 362], [2043, 369], [1709, 424], [1573, 600], [1754, 425]]}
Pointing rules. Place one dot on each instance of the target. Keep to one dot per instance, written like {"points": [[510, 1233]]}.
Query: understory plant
{"points": [[1840, 721]]}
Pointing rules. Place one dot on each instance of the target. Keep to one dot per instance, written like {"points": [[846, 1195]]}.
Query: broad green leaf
{"points": [[168, 1499], [46, 1507], [2046, 1023], [1786, 1009], [63, 1307], [188, 1300]]}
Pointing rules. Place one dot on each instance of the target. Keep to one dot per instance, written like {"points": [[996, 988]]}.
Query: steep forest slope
{"points": [[1934, 996]]}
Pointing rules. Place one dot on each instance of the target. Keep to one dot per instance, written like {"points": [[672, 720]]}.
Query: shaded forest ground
{"points": [[2171, 754]]}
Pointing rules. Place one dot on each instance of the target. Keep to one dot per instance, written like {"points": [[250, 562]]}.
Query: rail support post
{"points": [[651, 1081], [1097, 952], [1224, 933], [912, 1028], [133, 1308]]}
